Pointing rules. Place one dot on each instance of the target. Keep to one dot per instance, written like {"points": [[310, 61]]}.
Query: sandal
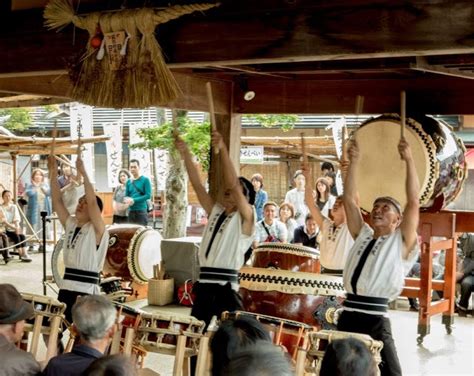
{"points": [[25, 259]]}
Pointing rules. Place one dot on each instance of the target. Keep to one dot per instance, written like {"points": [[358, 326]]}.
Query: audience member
{"points": [[348, 357], [13, 313], [94, 319], [232, 336], [331, 178], [296, 197], [465, 276], [287, 217], [306, 234], [259, 359], [270, 229], [261, 197], [119, 206], [10, 217], [326, 167], [324, 199], [111, 365], [137, 193]]}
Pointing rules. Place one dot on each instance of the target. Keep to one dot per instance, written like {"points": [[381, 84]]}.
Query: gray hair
{"points": [[93, 316]]}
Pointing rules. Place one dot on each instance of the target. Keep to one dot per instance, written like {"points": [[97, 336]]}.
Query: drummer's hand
{"points": [[344, 166], [180, 144], [353, 151], [404, 150], [217, 140], [80, 165]]}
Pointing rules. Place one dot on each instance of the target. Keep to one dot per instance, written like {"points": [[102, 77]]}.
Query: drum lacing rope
{"points": [[186, 294], [291, 281], [27, 239]]}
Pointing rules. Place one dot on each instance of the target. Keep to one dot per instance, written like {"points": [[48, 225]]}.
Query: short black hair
{"points": [[5, 192], [134, 161], [99, 201], [327, 166], [125, 172], [348, 356], [248, 190]]}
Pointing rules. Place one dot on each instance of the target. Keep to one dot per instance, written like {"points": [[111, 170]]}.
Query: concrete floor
{"points": [[440, 354]]}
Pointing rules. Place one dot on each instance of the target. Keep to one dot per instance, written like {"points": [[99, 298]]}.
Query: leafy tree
{"points": [[18, 119], [284, 121]]}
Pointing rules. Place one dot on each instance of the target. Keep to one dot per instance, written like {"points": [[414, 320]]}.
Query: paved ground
{"points": [[440, 354]]}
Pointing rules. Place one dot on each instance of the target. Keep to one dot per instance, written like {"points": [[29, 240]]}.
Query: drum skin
{"points": [[286, 257]]}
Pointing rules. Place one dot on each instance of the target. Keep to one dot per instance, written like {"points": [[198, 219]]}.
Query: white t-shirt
{"points": [[229, 245], [296, 198], [83, 253], [277, 229], [334, 245]]}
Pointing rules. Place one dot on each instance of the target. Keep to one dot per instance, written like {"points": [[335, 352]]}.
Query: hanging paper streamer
{"points": [[114, 152], [80, 120]]}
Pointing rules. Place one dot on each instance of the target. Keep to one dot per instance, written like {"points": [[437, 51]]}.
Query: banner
{"points": [[338, 131], [80, 120], [114, 152]]}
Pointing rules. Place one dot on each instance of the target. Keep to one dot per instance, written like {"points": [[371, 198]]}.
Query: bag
{"points": [[186, 296], [270, 238], [149, 206]]}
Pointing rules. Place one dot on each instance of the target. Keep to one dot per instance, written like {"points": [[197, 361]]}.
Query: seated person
{"points": [[259, 359], [347, 357], [94, 319], [13, 313], [111, 365], [465, 275], [232, 336], [306, 234], [270, 229]]}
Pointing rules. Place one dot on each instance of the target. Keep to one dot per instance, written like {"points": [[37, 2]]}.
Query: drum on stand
{"points": [[132, 252], [310, 298], [296, 258], [438, 154]]}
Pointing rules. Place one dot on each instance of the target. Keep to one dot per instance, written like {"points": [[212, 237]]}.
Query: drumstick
{"points": [[402, 112], [212, 115], [55, 132]]}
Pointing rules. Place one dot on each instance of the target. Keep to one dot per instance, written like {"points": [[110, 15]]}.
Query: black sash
{"points": [[360, 266], [219, 222]]}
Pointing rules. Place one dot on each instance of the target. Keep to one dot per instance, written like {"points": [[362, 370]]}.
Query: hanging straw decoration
{"points": [[123, 65]]}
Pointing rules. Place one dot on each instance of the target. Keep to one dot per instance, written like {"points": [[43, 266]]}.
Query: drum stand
{"points": [[444, 224]]}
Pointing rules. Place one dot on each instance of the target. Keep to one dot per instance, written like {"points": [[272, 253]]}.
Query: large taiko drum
{"points": [[438, 154], [296, 258], [132, 252], [310, 298]]}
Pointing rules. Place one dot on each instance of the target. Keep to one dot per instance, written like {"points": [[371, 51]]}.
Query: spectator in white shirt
{"points": [[270, 229]]}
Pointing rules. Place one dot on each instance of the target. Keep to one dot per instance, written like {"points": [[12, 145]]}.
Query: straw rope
{"points": [[143, 78]]}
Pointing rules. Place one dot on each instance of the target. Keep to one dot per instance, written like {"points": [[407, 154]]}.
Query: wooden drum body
{"points": [[310, 298], [438, 154], [296, 258]]}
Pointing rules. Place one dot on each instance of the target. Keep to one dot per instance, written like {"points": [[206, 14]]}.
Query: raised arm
{"points": [[232, 183], [204, 198], [309, 198], [411, 213], [56, 197], [350, 199], [95, 214]]}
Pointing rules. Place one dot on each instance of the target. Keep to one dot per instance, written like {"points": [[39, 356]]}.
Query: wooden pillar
{"points": [[15, 184]]}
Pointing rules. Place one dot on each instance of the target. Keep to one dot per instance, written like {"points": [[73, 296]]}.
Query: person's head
{"points": [[327, 167], [233, 335], [94, 317], [7, 196], [287, 211], [123, 176], [299, 179], [323, 189], [338, 212], [331, 178], [13, 313], [310, 224], [66, 169], [259, 359], [269, 211], [228, 200], [346, 357], [37, 176], [134, 168], [111, 365], [257, 182], [82, 212], [386, 213]]}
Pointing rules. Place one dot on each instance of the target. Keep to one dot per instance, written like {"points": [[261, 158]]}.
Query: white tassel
{"points": [[123, 51], [101, 53]]}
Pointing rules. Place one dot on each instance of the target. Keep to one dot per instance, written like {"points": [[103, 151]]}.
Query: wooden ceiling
{"points": [[299, 56]]}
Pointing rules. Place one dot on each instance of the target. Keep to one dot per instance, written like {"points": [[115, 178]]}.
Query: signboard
{"points": [[251, 155]]}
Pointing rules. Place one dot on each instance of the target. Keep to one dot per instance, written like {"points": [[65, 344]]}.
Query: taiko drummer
{"points": [[375, 269]]}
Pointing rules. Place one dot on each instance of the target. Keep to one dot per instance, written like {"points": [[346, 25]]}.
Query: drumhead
{"points": [[288, 248], [144, 252], [382, 172]]}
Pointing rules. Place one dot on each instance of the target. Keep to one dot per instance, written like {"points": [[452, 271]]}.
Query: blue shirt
{"points": [[261, 198], [73, 363], [140, 190]]}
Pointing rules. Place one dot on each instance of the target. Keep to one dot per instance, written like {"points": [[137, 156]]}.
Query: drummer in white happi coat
{"points": [[375, 270], [85, 240], [228, 235]]}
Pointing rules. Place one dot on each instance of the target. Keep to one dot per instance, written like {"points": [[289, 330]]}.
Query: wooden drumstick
{"points": [[53, 143], [402, 112], [212, 115]]}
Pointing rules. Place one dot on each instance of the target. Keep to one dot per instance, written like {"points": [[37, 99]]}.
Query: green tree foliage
{"points": [[196, 135], [18, 119], [284, 121]]}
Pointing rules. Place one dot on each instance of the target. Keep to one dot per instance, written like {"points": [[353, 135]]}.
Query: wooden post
{"points": [[15, 186], [179, 356]]}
